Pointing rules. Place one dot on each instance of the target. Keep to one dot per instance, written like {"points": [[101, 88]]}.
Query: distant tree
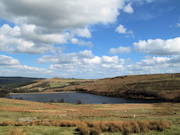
{"points": [[4, 93], [52, 101], [20, 98], [79, 102], [61, 101]]}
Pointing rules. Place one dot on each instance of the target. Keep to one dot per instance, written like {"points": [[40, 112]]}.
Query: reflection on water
{"points": [[74, 97]]}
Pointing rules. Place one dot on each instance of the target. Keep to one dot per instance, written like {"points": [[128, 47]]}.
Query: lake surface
{"points": [[74, 97]]}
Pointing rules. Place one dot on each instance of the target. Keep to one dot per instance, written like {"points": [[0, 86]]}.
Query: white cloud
{"points": [[8, 61], [128, 8], [42, 24], [25, 40], [159, 46], [94, 60], [178, 24], [58, 15], [113, 59], [12, 67], [151, 65], [120, 50], [122, 30], [81, 42], [85, 54], [83, 61], [83, 33]]}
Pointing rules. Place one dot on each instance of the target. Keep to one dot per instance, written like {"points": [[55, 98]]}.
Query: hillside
{"points": [[7, 80], [165, 87]]}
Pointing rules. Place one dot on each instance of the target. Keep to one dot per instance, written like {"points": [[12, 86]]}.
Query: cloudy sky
{"points": [[89, 38]]}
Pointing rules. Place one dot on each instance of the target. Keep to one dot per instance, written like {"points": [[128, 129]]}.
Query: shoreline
{"points": [[42, 92]]}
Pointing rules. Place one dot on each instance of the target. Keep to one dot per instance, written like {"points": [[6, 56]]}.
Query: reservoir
{"points": [[75, 96]]}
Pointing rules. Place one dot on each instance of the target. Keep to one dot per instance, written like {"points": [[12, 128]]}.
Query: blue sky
{"points": [[89, 38]]}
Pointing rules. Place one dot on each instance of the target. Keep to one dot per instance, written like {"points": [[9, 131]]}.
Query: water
{"points": [[74, 97]]}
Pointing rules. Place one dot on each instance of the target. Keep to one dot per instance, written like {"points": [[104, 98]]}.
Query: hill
{"points": [[7, 80], [165, 87]]}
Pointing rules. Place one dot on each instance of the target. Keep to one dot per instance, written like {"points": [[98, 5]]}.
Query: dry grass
{"points": [[97, 127], [127, 127], [99, 118], [17, 132]]}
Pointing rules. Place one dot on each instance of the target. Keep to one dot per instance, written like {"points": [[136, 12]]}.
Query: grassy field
{"points": [[106, 119], [19, 117]]}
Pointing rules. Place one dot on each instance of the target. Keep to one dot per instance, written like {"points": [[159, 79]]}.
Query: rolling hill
{"points": [[165, 87]]}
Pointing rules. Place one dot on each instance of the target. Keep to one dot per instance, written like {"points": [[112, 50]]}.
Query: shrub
{"points": [[4, 93], [52, 101], [61, 101], [20, 98], [79, 102]]}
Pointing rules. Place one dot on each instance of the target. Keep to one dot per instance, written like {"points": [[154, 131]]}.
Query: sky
{"points": [[89, 39]]}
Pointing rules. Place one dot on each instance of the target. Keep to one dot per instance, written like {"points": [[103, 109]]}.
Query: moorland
{"points": [[27, 117]]}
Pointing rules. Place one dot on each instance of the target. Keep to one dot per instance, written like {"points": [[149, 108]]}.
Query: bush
{"points": [[61, 101], [79, 102], [4, 93], [52, 101]]}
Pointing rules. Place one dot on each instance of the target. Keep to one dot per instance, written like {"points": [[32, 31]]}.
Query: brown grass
{"points": [[6, 123], [17, 132], [96, 127], [127, 127], [83, 128]]}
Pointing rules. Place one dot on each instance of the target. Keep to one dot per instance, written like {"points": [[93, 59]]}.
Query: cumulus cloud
{"points": [[120, 50], [11, 66], [122, 30], [39, 25], [84, 61], [83, 33], [81, 42], [25, 40], [159, 46], [8, 61], [151, 65], [128, 8], [58, 15]]}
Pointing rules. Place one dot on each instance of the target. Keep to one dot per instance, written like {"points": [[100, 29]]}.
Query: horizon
{"points": [[85, 79], [89, 39]]}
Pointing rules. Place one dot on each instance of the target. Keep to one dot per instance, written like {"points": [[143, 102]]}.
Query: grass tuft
{"points": [[17, 132]]}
